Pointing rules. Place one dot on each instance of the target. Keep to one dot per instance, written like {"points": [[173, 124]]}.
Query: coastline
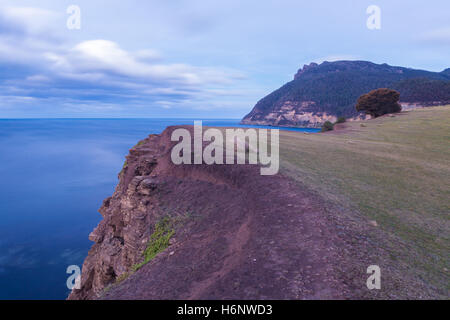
{"points": [[235, 227]]}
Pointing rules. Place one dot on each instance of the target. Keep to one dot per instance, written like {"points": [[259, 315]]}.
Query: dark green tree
{"points": [[378, 102], [327, 126]]}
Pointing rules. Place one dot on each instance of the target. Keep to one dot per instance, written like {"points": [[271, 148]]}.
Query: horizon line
{"points": [[118, 118]]}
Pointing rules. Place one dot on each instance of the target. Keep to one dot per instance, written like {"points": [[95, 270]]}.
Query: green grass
{"points": [[159, 241], [122, 277], [395, 170], [140, 143]]}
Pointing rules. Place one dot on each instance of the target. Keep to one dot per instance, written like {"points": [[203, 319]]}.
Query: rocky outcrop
{"points": [[121, 236], [293, 113], [330, 90], [305, 69]]}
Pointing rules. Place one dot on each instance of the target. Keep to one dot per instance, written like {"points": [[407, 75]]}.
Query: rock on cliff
{"points": [[327, 91]]}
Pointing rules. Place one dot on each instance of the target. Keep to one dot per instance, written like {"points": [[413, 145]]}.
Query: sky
{"points": [[195, 59]]}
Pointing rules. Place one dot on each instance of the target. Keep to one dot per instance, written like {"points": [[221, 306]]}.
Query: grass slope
{"points": [[394, 170]]}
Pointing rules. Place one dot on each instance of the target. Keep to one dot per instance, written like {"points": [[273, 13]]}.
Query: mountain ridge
{"points": [[326, 91]]}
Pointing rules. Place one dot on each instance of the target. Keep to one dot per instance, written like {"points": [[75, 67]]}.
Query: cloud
{"points": [[37, 78], [107, 57], [332, 58], [148, 55], [30, 20], [25, 33], [439, 36], [42, 68]]}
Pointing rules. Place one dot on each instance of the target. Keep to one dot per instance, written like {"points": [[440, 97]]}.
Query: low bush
{"points": [[341, 120], [159, 241], [327, 126]]}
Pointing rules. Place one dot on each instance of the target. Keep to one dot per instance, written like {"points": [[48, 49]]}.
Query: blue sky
{"points": [[195, 59]]}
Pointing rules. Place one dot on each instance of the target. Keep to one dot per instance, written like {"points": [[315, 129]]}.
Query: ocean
{"points": [[54, 175]]}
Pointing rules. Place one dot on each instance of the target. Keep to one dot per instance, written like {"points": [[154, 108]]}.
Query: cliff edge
{"points": [[230, 233]]}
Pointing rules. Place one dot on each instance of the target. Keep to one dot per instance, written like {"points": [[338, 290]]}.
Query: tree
{"points": [[327, 126], [378, 102], [341, 120]]}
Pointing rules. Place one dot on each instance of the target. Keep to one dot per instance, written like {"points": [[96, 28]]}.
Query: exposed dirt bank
{"points": [[239, 235]]}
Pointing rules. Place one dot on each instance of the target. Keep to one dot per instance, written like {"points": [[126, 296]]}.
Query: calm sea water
{"points": [[54, 175]]}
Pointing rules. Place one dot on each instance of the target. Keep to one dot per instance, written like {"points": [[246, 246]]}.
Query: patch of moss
{"points": [[122, 277], [140, 143], [159, 241]]}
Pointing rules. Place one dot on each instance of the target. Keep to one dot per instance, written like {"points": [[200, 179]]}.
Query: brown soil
{"points": [[247, 236], [265, 239], [241, 236]]}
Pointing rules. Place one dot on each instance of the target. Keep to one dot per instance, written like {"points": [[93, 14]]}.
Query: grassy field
{"points": [[392, 170]]}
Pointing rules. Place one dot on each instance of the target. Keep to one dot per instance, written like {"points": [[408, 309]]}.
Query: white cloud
{"points": [[437, 36], [109, 56], [332, 58], [97, 70], [93, 60], [148, 55], [104, 60], [37, 78], [30, 20], [165, 104], [25, 33]]}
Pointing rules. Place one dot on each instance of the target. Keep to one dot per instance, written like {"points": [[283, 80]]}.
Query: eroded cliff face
{"points": [[236, 235], [197, 197], [128, 216], [292, 113], [239, 235]]}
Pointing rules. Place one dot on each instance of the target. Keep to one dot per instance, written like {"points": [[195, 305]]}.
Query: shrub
{"points": [[159, 241], [341, 120], [378, 102], [327, 126]]}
